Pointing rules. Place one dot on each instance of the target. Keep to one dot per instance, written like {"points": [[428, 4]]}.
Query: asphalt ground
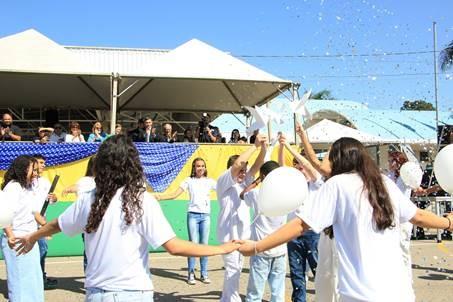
{"points": [[432, 275]]}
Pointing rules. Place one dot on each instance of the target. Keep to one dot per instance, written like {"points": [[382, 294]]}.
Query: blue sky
{"points": [[323, 44]]}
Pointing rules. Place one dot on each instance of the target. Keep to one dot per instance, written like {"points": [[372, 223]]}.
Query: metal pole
{"points": [[269, 126], [435, 96], [293, 93], [435, 74], [113, 102]]}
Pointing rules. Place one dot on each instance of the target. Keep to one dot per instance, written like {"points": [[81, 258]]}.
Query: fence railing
{"points": [[438, 205]]}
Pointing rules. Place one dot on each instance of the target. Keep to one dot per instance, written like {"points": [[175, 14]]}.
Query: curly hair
{"points": [[117, 165], [349, 155], [18, 171]]}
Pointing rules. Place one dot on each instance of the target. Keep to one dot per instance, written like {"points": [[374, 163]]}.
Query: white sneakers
{"points": [[191, 279]]}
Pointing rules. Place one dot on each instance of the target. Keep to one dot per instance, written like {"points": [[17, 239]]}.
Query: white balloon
{"points": [[282, 191], [6, 212], [443, 168], [411, 174]]}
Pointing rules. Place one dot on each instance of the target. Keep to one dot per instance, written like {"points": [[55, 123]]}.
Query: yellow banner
{"points": [[216, 157]]}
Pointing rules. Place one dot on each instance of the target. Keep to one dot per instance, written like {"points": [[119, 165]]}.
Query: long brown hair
{"points": [[349, 155], [117, 165], [18, 171], [193, 173]]}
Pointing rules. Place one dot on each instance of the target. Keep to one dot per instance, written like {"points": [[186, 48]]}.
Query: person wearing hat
{"points": [[44, 134]]}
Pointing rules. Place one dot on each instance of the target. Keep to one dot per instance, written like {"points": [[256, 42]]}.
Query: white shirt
{"points": [[370, 261], [263, 226], [313, 187], [118, 255], [22, 201], [85, 184], [199, 191], [233, 221], [400, 184], [41, 187], [69, 138]]}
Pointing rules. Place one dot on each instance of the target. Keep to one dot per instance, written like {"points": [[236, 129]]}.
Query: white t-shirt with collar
{"points": [[263, 226], [41, 187], [117, 255], [23, 203], [233, 221], [199, 190], [371, 267]]}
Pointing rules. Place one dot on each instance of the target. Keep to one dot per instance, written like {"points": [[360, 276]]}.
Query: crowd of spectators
{"points": [[145, 131]]}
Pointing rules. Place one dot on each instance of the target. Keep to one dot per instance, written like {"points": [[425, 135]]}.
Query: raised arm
{"points": [[281, 155], [311, 171], [322, 167], [241, 161], [261, 141], [250, 187]]}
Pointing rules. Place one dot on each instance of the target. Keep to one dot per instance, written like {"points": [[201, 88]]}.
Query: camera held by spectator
{"points": [[206, 132]]}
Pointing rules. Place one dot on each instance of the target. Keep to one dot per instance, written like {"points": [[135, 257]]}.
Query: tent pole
{"points": [[293, 94], [113, 101], [269, 126]]}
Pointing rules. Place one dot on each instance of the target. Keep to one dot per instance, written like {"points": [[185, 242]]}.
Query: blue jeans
{"points": [[24, 276], [198, 225], [98, 295], [262, 269], [43, 248], [301, 250]]}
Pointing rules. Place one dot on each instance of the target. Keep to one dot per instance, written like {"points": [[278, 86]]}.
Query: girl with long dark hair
{"points": [[25, 279], [366, 210], [199, 187], [119, 219]]}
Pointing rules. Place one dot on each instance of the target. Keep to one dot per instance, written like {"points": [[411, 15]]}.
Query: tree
{"points": [[446, 57], [420, 105], [322, 95]]}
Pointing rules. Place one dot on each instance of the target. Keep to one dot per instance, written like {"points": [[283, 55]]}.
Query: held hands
{"points": [[247, 247], [230, 246]]}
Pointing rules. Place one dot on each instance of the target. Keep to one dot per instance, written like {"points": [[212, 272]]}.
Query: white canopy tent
{"points": [[37, 72], [326, 132]]}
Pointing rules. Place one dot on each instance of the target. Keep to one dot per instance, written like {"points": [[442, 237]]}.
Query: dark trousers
{"points": [[302, 250]]}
